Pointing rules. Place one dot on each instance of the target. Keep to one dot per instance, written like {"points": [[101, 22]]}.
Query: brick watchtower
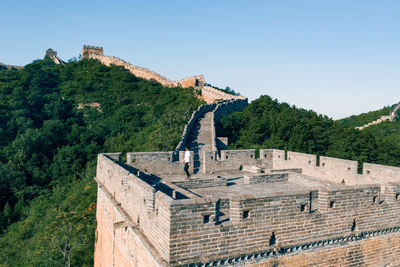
{"points": [[87, 50]]}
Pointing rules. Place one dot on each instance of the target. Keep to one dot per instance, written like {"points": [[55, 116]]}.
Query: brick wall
{"points": [[394, 112], [222, 109], [192, 81], [201, 183], [332, 169], [341, 212], [145, 207], [381, 171], [282, 227], [229, 160], [208, 93], [159, 162], [105, 217], [219, 110], [88, 51], [265, 178], [117, 242], [135, 70], [375, 251]]}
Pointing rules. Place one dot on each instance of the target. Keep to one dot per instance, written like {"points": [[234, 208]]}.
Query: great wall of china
{"points": [[208, 93], [242, 208], [278, 209], [391, 117], [10, 66], [50, 53]]}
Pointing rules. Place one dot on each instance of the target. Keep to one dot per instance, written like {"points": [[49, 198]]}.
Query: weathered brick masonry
{"points": [[278, 217]]}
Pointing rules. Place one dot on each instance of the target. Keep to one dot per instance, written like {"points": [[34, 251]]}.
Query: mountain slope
{"points": [[365, 118], [55, 120], [388, 131]]}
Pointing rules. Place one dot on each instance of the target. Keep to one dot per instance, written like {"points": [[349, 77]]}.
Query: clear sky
{"points": [[335, 57]]}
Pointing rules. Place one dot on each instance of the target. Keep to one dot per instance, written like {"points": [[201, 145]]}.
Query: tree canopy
{"points": [[55, 120], [266, 123]]}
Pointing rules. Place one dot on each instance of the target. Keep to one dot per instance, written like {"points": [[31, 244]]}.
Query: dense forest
{"points": [[266, 123], [55, 120]]}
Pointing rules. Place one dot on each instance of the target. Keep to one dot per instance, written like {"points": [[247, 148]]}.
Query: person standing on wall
{"points": [[187, 162]]}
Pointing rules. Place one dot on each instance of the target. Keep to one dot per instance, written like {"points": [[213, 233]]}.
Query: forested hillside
{"points": [[57, 118], [266, 123], [388, 131], [54, 121], [365, 118]]}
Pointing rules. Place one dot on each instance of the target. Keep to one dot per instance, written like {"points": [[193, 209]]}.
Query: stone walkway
{"points": [[200, 139]]}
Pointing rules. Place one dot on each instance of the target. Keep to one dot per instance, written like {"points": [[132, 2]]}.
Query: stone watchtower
{"points": [[50, 53], [95, 50], [394, 112]]}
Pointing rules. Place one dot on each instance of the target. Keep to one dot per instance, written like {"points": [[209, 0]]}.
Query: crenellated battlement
{"points": [[206, 93], [89, 50], [284, 203]]}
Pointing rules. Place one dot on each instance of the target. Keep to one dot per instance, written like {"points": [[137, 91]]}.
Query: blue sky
{"points": [[337, 57]]}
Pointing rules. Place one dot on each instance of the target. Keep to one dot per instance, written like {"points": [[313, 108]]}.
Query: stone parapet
{"points": [[294, 208], [222, 109], [210, 95]]}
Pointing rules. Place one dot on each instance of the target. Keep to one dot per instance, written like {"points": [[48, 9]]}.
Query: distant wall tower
{"points": [[87, 50], [393, 114], [50, 53]]}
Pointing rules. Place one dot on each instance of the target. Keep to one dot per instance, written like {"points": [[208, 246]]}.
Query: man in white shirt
{"points": [[187, 162]]}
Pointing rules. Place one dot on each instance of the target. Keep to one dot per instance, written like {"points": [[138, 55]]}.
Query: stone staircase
{"points": [[200, 139], [199, 133]]}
